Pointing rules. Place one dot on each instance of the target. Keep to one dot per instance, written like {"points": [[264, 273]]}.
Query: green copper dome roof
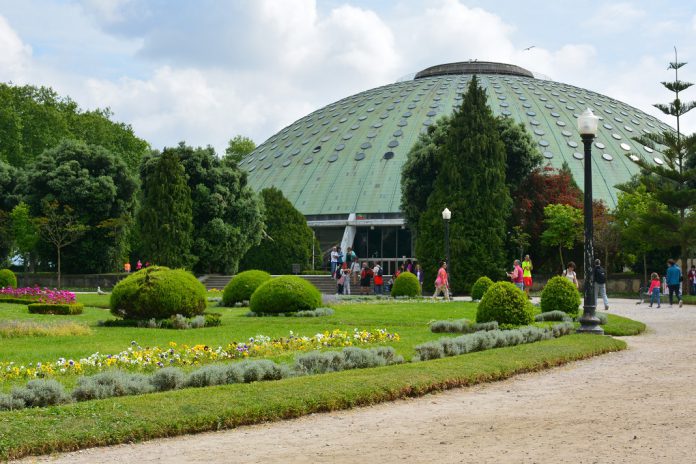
{"points": [[347, 156]]}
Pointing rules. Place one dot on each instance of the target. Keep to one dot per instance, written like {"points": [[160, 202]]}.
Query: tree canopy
{"points": [[287, 239], [239, 147]]}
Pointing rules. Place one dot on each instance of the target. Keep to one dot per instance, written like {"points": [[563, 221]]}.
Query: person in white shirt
{"points": [[334, 260]]}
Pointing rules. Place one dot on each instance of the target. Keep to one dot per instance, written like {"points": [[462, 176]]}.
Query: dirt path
{"points": [[630, 407]]}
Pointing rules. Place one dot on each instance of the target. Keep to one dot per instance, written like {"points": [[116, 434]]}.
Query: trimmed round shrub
{"points": [[505, 304], [7, 279], [158, 292], [479, 288], [242, 286], [560, 294], [285, 294], [406, 285]]}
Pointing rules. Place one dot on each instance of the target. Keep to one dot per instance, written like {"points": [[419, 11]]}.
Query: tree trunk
{"points": [[606, 259], [645, 268], [58, 248], [560, 252], [685, 267]]}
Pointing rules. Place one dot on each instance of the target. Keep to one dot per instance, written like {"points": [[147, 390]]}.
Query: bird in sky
{"points": [[528, 48]]}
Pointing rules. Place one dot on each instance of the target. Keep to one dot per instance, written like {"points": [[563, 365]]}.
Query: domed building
{"points": [[341, 165]]}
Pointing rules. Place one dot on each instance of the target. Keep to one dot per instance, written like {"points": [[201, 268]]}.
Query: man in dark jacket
{"points": [[600, 286], [674, 278]]}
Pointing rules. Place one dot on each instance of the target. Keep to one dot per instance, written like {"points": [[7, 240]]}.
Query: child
{"points": [[654, 289]]}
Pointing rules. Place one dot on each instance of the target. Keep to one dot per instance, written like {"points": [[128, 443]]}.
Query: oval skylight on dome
{"points": [[658, 161], [566, 133], [600, 145], [625, 146], [393, 144], [332, 158], [388, 155], [538, 131], [578, 156], [308, 160], [340, 146], [268, 166], [616, 136], [366, 145], [359, 156], [633, 158], [607, 157], [548, 155], [608, 126], [544, 143], [648, 149], [572, 144]]}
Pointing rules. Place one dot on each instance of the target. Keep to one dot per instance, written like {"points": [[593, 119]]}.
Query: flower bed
{"points": [[37, 295], [138, 358]]}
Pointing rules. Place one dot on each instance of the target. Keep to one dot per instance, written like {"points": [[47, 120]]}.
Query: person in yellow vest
{"points": [[527, 274]]}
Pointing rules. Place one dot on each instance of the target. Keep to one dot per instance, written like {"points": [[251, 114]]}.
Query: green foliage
{"points": [[406, 285], [109, 384], [461, 326], [40, 393], [563, 227], [7, 279], [242, 286], [227, 214], [97, 186], [553, 316], [285, 294], [481, 341], [471, 183], [288, 239], [53, 308], [506, 304], [480, 286], [24, 231], [318, 362], [239, 147], [35, 119], [522, 153], [319, 312], [165, 215], [560, 294], [158, 292]]}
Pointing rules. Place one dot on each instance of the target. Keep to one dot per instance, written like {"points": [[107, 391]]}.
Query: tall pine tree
{"points": [[671, 183], [472, 185], [164, 219]]}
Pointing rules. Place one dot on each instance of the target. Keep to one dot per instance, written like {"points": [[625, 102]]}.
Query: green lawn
{"points": [[118, 420]]}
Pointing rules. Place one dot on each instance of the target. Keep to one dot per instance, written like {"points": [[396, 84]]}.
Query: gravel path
{"points": [[634, 406]]}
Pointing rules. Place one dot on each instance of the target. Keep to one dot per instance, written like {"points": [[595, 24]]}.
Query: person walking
{"points": [[138, 266], [654, 290], [365, 279], [379, 279], [346, 280], [674, 278], [691, 276], [517, 275], [442, 283], [334, 259], [527, 274], [569, 274], [127, 267], [600, 288], [421, 276], [355, 272]]}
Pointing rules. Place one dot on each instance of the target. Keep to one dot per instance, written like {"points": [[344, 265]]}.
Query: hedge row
{"points": [[461, 326], [61, 309], [481, 341]]}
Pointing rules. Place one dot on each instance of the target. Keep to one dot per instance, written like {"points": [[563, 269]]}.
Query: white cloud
{"points": [[15, 55], [615, 18]]}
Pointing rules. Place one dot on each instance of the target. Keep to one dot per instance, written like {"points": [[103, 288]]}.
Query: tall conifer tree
{"points": [[472, 185], [165, 217]]}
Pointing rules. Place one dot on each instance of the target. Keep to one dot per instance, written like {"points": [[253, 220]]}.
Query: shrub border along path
{"points": [[126, 419]]}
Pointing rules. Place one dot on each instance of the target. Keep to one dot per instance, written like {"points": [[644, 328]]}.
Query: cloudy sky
{"points": [[205, 70]]}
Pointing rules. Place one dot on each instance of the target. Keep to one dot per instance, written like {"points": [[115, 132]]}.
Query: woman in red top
{"points": [[442, 283]]}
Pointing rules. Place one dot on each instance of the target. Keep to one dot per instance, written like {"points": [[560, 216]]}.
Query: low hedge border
{"points": [[137, 418], [58, 309], [23, 301], [462, 326], [175, 322]]}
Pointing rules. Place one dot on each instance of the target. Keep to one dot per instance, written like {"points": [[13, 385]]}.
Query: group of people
{"points": [[138, 266], [672, 280], [350, 272]]}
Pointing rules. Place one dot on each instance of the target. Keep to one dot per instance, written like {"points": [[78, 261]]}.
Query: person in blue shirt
{"points": [[674, 278]]}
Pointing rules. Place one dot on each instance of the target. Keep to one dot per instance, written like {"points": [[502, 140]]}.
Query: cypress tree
{"points": [[288, 239], [165, 217], [472, 185]]}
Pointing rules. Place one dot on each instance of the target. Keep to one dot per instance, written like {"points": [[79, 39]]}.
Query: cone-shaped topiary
{"points": [[285, 294], [480, 286], [506, 304], [406, 285], [158, 292], [560, 294], [242, 286], [7, 279]]}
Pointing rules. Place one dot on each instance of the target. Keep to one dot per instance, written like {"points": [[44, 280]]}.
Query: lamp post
{"points": [[587, 127], [446, 216]]}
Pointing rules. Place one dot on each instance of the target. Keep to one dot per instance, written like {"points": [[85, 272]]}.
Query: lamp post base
{"points": [[589, 323]]}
